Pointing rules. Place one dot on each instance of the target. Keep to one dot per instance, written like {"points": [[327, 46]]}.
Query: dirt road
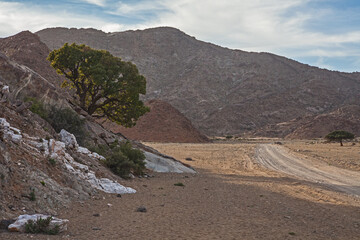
{"points": [[281, 159]]}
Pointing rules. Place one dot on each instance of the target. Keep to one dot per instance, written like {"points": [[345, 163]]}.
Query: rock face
{"points": [[221, 91], [163, 123]]}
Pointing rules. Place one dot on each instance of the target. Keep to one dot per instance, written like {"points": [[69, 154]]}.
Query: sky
{"points": [[322, 33]]}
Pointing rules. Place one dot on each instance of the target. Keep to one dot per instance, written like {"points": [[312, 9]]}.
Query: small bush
{"points": [[179, 184], [60, 118], [42, 183], [122, 159], [228, 137], [32, 196], [65, 118], [52, 161], [41, 226], [37, 107]]}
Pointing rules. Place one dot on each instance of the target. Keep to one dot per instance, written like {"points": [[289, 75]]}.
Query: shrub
{"points": [[37, 107], [52, 161], [122, 159], [65, 118], [32, 196], [228, 137], [41, 226], [179, 184], [60, 118]]}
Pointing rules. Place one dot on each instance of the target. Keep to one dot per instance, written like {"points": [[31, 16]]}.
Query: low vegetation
{"points": [[41, 226], [122, 158], [32, 195], [179, 184], [60, 118]]}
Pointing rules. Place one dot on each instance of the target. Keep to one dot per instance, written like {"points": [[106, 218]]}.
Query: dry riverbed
{"points": [[232, 197]]}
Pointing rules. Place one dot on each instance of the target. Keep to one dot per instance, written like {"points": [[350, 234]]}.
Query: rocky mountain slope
{"points": [[42, 169], [315, 126], [163, 123], [221, 91]]}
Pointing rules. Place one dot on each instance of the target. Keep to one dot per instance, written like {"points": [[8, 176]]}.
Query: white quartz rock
{"points": [[69, 139], [19, 224]]}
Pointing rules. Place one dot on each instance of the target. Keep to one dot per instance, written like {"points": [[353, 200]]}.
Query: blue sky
{"points": [[323, 33]]}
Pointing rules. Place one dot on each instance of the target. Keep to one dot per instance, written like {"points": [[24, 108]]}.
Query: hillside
{"points": [[221, 91], [43, 169], [162, 124]]}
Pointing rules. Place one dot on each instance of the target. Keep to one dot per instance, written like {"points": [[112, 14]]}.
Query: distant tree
{"points": [[339, 136], [105, 85]]}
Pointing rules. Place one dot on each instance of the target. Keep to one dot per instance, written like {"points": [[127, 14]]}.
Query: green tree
{"points": [[105, 85], [339, 136]]}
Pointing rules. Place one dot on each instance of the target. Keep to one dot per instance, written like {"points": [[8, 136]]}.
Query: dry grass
{"points": [[347, 156]]}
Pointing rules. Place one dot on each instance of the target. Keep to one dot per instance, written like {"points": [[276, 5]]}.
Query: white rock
{"points": [[83, 150], [69, 139], [5, 89], [4, 124], [161, 164], [19, 224], [96, 156], [16, 138], [15, 130]]}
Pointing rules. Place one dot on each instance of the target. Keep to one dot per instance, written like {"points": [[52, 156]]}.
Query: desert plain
{"points": [[231, 197]]}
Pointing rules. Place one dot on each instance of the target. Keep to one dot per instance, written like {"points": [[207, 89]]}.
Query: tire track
{"points": [[280, 159]]}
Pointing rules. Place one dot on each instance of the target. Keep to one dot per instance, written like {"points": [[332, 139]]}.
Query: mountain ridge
{"points": [[222, 91]]}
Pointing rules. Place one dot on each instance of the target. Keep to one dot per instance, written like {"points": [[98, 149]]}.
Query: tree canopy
{"points": [[339, 136], [105, 85]]}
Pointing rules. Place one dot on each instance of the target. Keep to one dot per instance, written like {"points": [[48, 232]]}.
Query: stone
{"points": [[20, 222], [69, 139], [141, 209]]}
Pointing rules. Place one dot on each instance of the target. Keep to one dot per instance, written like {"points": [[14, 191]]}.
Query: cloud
{"points": [[126, 9], [298, 29], [101, 3], [294, 28], [16, 17]]}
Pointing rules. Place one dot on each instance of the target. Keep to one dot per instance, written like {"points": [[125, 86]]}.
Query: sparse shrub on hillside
{"points": [[122, 159], [60, 118], [52, 161], [339, 136], [228, 137], [32, 196], [41, 226], [37, 107], [65, 118]]}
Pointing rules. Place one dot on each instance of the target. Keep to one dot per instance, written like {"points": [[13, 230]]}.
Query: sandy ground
{"points": [[231, 197]]}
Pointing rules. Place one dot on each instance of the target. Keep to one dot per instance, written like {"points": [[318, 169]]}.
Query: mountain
{"points": [[222, 91], [163, 123]]}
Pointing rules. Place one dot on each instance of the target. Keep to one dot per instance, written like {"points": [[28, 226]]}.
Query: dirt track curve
{"points": [[281, 159]]}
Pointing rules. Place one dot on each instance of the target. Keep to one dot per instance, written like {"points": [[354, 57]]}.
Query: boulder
{"points": [[161, 164], [69, 139]]}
